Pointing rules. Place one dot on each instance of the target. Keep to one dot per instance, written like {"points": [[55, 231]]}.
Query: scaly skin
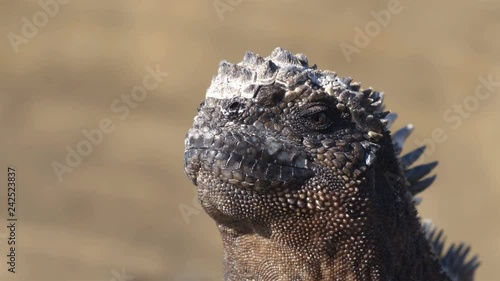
{"points": [[299, 172]]}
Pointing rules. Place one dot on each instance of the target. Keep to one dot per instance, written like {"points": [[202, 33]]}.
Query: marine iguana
{"points": [[299, 170]]}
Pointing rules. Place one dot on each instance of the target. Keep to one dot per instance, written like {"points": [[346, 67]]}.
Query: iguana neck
{"points": [[405, 251], [254, 257], [398, 246]]}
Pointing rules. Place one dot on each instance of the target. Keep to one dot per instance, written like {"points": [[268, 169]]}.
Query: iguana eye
{"points": [[318, 117]]}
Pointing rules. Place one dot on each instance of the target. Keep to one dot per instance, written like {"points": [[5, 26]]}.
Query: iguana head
{"points": [[293, 164]]}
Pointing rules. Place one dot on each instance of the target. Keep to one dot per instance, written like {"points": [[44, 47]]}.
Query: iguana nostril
{"points": [[234, 107]]}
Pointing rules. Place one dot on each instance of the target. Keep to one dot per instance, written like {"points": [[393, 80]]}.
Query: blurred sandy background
{"points": [[118, 212]]}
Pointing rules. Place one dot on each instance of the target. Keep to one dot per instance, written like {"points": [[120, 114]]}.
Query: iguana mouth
{"points": [[237, 160]]}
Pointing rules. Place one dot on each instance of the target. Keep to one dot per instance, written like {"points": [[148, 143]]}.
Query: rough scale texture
{"points": [[303, 178]]}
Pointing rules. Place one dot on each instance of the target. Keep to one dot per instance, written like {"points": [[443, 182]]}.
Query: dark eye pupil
{"points": [[319, 118]]}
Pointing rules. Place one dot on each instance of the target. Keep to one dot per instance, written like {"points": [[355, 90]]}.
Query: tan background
{"points": [[120, 208]]}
